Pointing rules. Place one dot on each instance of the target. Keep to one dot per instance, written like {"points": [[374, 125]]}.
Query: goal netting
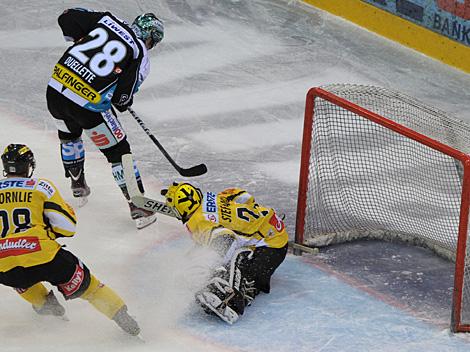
{"points": [[380, 164]]}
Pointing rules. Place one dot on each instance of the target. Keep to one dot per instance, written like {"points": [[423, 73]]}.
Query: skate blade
{"points": [[139, 338], [82, 201], [64, 317], [142, 223]]}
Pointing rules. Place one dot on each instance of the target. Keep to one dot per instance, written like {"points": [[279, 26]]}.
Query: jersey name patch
{"points": [[18, 246]]}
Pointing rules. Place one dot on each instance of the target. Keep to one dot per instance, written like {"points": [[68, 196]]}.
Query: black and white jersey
{"points": [[106, 64]]}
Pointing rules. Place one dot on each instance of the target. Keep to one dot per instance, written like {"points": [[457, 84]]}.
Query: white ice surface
{"points": [[228, 86]]}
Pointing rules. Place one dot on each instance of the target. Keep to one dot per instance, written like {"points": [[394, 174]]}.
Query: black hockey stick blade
{"points": [[193, 171]]}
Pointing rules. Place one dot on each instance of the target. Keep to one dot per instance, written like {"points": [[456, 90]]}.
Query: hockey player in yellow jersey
{"points": [[250, 238], [33, 215]]}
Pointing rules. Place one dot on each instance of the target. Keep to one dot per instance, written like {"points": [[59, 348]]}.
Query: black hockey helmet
{"points": [[18, 159], [147, 26]]}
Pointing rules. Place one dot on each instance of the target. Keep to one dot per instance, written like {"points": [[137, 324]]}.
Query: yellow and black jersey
{"points": [[32, 215], [236, 210]]}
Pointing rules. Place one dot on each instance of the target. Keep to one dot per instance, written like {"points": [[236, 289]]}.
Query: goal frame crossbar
{"points": [[317, 92]]}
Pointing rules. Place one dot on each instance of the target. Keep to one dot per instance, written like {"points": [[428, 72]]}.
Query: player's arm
{"points": [[77, 23], [225, 242], [127, 85], [58, 215], [238, 195]]}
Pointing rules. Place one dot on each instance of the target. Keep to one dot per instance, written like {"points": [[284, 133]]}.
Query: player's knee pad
{"points": [[103, 298], [73, 155], [77, 284], [118, 174]]}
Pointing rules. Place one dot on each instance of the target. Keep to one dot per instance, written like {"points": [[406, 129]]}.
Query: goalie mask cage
{"points": [[379, 164]]}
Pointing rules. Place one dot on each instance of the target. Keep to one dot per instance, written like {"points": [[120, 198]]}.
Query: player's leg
{"points": [[27, 283], [71, 144], [74, 280], [262, 266], [109, 136]]}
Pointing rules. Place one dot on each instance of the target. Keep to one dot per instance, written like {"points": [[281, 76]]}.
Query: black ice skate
{"points": [[51, 306], [126, 322], [142, 217], [79, 186]]}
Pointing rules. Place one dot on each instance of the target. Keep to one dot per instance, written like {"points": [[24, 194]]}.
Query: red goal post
{"points": [[378, 164]]}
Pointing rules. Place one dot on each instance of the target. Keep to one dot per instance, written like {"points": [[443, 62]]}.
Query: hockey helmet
{"points": [[148, 26], [18, 159], [184, 198]]}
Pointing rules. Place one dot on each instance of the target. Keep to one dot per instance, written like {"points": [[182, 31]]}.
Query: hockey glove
{"points": [[122, 108]]}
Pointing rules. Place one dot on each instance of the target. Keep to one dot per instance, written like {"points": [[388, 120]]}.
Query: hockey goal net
{"points": [[378, 164]]}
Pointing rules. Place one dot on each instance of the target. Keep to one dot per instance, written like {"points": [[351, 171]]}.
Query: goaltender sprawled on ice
{"points": [[250, 238]]}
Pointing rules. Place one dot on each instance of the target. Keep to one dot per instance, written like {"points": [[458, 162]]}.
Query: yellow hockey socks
{"points": [[36, 294], [103, 298]]}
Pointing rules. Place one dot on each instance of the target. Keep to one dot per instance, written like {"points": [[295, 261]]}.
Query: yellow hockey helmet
{"points": [[184, 198]]}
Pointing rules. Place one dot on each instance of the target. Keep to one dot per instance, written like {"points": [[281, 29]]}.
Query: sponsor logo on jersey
{"points": [[18, 246], [100, 140], [123, 99], [210, 205], [113, 124], [120, 31], [72, 151], [276, 222], [14, 183], [74, 283], [46, 188], [212, 217], [118, 174], [75, 84], [102, 136]]}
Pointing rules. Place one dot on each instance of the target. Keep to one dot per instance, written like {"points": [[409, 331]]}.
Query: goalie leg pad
{"points": [[213, 304], [226, 294]]}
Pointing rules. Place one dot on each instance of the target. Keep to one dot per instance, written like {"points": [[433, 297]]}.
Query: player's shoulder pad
{"points": [[238, 195], [78, 9], [46, 187]]}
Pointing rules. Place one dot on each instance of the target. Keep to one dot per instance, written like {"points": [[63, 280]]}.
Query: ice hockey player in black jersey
{"points": [[100, 71], [33, 215]]}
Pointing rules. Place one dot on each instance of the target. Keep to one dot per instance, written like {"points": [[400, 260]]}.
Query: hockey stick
{"points": [[192, 171], [138, 198]]}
